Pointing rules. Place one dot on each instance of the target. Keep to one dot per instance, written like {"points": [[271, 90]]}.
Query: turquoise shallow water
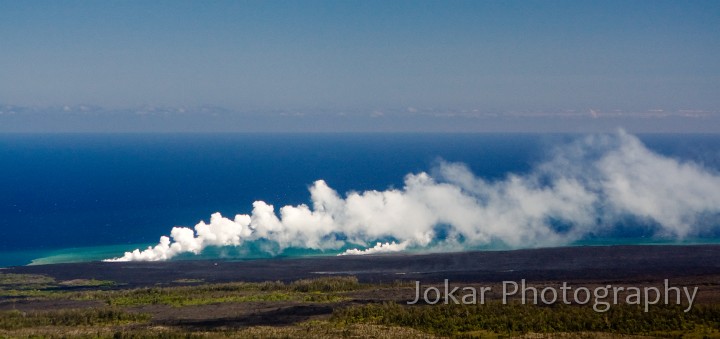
{"points": [[61, 192], [66, 255], [70, 198], [96, 253]]}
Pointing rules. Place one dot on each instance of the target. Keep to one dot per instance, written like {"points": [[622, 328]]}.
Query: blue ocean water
{"points": [[74, 197]]}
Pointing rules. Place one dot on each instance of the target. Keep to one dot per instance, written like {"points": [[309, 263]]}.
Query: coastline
{"points": [[63, 255], [607, 262], [582, 291], [86, 254]]}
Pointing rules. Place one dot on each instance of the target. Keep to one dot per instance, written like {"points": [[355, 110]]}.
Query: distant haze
{"points": [[337, 66]]}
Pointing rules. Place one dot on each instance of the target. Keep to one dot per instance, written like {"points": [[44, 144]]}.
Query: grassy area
{"points": [[313, 329], [10, 281], [179, 297], [100, 309], [40, 287], [518, 319], [321, 290], [325, 290], [38, 281], [11, 320], [86, 283]]}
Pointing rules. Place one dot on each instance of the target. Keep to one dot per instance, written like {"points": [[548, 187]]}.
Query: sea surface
{"points": [[80, 197]]}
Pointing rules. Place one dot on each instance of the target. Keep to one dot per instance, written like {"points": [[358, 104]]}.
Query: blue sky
{"points": [[378, 58]]}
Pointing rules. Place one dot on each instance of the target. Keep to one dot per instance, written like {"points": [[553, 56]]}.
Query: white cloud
{"points": [[379, 248]]}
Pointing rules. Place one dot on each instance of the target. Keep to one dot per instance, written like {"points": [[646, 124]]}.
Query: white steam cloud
{"points": [[585, 189], [387, 247]]}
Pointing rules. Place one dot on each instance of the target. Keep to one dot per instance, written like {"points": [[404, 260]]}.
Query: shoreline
{"points": [[599, 262], [88, 254]]}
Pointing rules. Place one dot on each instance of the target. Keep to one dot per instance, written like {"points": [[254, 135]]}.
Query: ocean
{"points": [[79, 197]]}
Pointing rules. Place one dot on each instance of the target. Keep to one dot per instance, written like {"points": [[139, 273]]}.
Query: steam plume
{"points": [[586, 188]]}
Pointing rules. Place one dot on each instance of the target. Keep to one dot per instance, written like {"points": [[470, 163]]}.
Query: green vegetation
{"points": [[181, 297], [326, 284], [40, 287], [517, 319], [10, 320], [325, 329], [25, 281], [104, 309], [321, 290], [86, 283], [38, 281], [313, 329]]}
